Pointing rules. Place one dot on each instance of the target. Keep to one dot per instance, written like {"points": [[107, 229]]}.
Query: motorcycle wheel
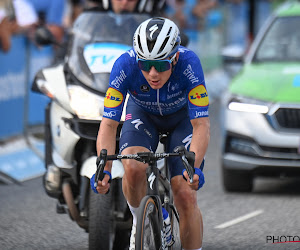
{"points": [[101, 222], [104, 233]]}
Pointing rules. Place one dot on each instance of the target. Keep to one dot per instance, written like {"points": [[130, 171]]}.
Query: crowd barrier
{"points": [[19, 106]]}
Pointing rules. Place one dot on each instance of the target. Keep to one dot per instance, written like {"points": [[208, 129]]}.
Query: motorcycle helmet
{"points": [[156, 39]]}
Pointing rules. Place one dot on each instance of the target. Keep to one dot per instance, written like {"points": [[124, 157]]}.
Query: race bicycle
{"points": [[149, 231]]}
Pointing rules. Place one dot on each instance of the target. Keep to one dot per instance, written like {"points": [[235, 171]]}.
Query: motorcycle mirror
{"points": [[43, 36]]}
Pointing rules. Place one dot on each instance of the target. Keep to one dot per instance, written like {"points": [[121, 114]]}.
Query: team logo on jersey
{"points": [[145, 88], [198, 96], [113, 98]]}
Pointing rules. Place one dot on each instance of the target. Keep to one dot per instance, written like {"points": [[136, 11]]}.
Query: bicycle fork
{"points": [[153, 191]]}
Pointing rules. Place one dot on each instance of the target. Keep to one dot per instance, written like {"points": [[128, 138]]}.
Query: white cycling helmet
{"points": [[156, 39]]}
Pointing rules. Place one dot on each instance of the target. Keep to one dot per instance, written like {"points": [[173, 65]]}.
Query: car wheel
{"points": [[237, 180]]}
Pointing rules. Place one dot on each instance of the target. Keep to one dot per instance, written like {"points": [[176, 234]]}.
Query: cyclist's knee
{"points": [[134, 170], [185, 198]]}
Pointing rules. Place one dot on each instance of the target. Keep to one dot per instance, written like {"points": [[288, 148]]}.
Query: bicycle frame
{"points": [[154, 177]]}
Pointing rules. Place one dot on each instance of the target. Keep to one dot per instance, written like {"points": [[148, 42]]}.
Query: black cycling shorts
{"points": [[143, 129]]}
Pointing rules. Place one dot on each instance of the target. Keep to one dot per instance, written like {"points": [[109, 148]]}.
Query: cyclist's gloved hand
{"points": [[105, 187], [92, 181], [201, 177]]}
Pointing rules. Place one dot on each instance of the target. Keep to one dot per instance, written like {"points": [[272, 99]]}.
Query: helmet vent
{"points": [[161, 57], [169, 31], [163, 45], [139, 43], [150, 45]]}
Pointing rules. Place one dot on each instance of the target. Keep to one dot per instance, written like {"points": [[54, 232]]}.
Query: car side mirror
{"points": [[233, 59]]}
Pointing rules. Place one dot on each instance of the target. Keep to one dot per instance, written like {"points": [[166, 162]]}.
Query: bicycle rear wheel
{"points": [[148, 234]]}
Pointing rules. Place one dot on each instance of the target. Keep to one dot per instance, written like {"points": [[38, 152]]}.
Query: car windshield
{"points": [[281, 42], [97, 40]]}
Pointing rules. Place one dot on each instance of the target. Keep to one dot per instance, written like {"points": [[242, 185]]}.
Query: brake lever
{"points": [[189, 169], [101, 162], [188, 159]]}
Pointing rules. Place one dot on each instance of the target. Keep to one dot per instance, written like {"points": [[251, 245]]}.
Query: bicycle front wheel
{"points": [[148, 234]]}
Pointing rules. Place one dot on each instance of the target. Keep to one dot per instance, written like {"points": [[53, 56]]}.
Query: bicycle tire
{"points": [[148, 235], [101, 224], [105, 232], [174, 216]]}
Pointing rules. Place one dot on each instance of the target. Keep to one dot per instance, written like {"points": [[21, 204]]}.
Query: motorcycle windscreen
{"points": [[100, 57], [97, 40]]}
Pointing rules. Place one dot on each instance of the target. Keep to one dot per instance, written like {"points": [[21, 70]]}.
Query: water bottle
{"points": [[167, 227]]}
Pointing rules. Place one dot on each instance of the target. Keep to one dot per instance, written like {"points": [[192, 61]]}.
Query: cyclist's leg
{"points": [[185, 199], [138, 135], [191, 223]]}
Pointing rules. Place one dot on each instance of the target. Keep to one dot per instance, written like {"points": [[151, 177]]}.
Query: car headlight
{"points": [[85, 104], [248, 105]]}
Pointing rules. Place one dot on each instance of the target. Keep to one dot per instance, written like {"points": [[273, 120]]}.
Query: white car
{"points": [[261, 130]]}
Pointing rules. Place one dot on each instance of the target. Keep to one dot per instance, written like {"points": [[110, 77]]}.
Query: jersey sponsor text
{"points": [[119, 79], [113, 98], [198, 96], [109, 114], [201, 113], [189, 73]]}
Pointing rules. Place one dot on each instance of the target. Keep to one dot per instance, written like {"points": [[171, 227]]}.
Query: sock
{"points": [[133, 211]]}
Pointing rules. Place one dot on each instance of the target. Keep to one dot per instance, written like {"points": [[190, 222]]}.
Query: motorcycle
{"points": [[76, 88]]}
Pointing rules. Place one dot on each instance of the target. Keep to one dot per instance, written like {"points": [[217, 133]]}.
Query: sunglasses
{"points": [[159, 65]]}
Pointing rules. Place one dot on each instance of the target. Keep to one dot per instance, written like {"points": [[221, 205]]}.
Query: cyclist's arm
{"points": [[200, 139], [113, 108], [106, 138], [199, 146]]}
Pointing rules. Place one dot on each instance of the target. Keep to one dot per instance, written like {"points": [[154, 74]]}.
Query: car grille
{"points": [[247, 146], [288, 118]]}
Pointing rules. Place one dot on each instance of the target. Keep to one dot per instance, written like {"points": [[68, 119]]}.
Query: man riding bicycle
{"points": [[167, 94]]}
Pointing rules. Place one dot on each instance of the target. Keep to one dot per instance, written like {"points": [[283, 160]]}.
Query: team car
{"points": [[261, 109]]}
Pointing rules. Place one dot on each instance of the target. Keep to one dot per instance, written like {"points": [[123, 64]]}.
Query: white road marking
{"points": [[239, 219]]}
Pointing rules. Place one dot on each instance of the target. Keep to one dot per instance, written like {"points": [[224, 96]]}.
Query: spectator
{"points": [[200, 11], [26, 15], [50, 13], [8, 24], [77, 7], [190, 14]]}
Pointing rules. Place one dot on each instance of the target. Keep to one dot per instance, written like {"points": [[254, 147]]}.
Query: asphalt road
{"points": [[271, 213]]}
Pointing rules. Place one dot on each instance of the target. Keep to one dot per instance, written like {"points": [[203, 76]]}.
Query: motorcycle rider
{"points": [[153, 7], [167, 94]]}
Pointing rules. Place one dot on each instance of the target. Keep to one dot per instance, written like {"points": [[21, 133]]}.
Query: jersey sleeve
{"points": [[198, 101], [116, 93]]}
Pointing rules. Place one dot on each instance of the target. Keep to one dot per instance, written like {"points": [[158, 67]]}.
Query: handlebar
{"points": [[188, 159]]}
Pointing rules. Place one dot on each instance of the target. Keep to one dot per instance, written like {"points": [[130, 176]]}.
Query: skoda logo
{"points": [[145, 88]]}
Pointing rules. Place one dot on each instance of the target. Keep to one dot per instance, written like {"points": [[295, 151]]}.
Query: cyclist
{"points": [[167, 93]]}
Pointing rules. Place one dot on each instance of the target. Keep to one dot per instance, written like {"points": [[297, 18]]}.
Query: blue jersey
{"points": [[185, 87]]}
